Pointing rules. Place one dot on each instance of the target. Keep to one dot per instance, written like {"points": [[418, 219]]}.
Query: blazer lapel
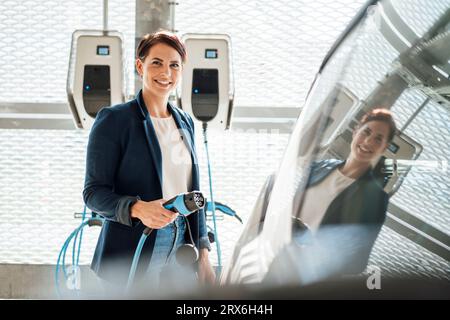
{"points": [[321, 170], [187, 137], [152, 140], [347, 206], [155, 149]]}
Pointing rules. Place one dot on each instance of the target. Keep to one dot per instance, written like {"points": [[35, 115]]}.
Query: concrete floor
{"points": [[26, 281]]}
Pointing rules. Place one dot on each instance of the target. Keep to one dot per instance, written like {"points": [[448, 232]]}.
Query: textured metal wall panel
{"points": [[278, 46], [370, 61], [41, 179], [419, 14], [35, 39], [397, 256], [426, 191]]}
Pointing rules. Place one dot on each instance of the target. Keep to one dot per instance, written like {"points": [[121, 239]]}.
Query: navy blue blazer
{"points": [[361, 211], [362, 202], [124, 164], [352, 221]]}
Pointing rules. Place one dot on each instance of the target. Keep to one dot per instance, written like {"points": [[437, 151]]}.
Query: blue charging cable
{"points": [[76, 257], [223, 208], [137, 255], [77, 260], [213, 205], [62, 253]]}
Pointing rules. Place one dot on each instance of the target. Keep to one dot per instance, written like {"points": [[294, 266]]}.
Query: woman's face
{"points": [[161, 70], [369, 141]]}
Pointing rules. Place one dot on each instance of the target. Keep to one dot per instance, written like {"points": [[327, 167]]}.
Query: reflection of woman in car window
{"points": [[346, 192]]}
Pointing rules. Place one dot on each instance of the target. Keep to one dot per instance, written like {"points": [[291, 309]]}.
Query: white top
{"points": [[319, 197], [176, 158]]}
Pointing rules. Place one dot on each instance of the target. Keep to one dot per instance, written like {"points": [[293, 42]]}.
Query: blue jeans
{"points": [[163, 261]]}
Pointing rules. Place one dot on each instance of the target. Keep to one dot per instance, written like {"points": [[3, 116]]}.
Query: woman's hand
{"points": [[206, 273], [153, 214]]}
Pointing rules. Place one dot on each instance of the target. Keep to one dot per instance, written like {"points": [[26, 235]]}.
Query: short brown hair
{"points": [[384, 115], [162, 36]]}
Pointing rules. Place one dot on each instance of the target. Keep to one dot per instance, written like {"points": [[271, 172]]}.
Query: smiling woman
{"points": [[373, 135], [332, 180], [132, 171], [350, 195], [159, 62]]}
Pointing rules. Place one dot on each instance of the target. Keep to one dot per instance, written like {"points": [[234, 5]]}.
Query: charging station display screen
{"points": [[205, 93], [211, 54], [393, 148], [103, 50], [96, 88], [205, 81]]}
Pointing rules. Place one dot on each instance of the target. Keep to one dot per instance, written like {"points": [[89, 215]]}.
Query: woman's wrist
{"points": [[204, 254], [135, 209]]}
